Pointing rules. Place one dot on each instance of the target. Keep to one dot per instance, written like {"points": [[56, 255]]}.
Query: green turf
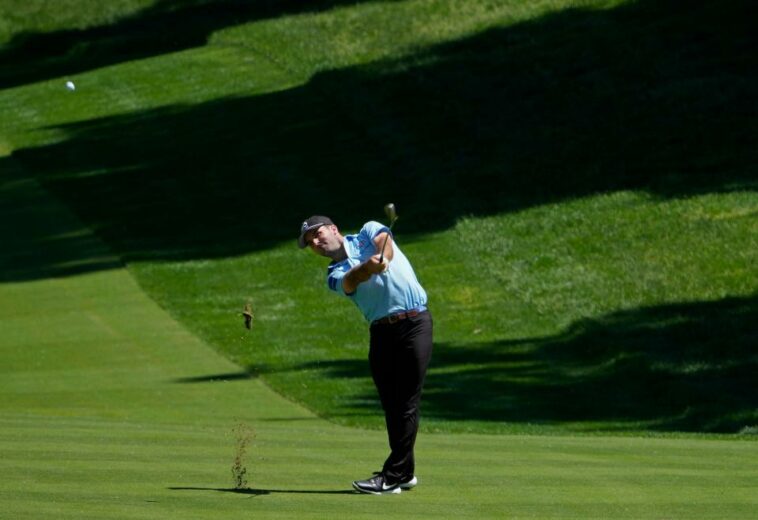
{"points": [[576, 184], [111, 409], [575, 180], [577, 198], [581, 343]]}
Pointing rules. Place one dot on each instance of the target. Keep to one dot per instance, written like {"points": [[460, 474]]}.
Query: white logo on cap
{"points": [[305, 225]]}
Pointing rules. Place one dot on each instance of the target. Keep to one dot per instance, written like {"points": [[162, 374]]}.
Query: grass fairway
{"points": [[110, 409], [576, 182]]}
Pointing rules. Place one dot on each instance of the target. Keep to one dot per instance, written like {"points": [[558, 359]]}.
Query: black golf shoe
{"points": [[377, 485]]}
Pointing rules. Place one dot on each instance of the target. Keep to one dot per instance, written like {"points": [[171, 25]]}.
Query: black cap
{"points": [[315, 222]]}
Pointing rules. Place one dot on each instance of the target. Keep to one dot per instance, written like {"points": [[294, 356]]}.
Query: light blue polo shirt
{"points": [[395, 290]]}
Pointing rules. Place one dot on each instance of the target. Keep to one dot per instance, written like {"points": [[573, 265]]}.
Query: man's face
{"points": [[324, 240]]}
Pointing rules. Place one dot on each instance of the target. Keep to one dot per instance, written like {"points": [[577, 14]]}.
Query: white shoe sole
{"points": [[410, 484]]}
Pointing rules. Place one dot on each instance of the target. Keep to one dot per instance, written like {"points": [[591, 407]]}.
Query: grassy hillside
{"points": [[576, 182], [111, 409]]}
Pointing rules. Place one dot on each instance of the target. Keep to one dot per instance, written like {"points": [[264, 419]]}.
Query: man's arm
{"points": [[362, 272]]}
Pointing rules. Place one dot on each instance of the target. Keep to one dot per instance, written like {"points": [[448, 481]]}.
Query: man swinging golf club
{"points": [[370, 269]]}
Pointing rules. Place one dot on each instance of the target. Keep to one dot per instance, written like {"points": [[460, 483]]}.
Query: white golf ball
{"points": [[70, 85]]}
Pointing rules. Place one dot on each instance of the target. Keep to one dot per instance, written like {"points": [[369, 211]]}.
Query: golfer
{"points": [[390, 297]]}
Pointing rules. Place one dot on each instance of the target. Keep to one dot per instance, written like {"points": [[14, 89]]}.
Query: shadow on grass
{"points": [[679, 367], [258, 492], [166, 26], [39, 238], [645, 96], [218, 378]]}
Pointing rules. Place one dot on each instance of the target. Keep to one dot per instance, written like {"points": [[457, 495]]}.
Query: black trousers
{"points": [[399, 355]]}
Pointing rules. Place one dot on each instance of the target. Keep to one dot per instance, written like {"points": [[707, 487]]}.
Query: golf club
{"points": [[389, 210]]}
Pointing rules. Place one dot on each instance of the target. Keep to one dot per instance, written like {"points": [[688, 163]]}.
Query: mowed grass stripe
{"points": [[492, 476]]}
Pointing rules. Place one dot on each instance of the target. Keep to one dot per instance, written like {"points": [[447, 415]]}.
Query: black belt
{"points": [[394, 318]]}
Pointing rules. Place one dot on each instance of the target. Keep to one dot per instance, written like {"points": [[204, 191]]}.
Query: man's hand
{"points": [[377, 265], [362, 272]]}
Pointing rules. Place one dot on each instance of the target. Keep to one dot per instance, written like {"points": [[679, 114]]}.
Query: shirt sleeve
{"points": [[372, 228], [334, 281]]}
